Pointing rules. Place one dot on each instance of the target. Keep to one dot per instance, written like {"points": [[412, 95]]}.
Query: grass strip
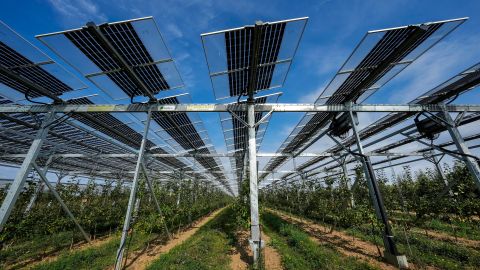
{"points": [[427, 251], [298, 251], [208, 248], [98, 257]]}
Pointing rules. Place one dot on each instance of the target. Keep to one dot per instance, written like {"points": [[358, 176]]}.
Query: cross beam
{"points": [[200, 107]]}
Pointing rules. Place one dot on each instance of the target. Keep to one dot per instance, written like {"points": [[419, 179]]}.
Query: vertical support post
{"points": [[391, 254], [157, 204], [20, 178], [133, 193], [252, 158], [467, 156], [42, 175]]}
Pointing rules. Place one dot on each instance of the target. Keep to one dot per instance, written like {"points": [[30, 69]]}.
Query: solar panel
{"points": [[236, 133], [20, 129], [125, 59], [189, 135], [24, 68], [251, 57], [379, 57], [466, 120], [114, 128]]}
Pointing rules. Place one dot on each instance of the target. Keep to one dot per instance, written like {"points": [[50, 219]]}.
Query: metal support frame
{"points": [[390, 252], [43, 176], [436, 161], [157, 204], [20, 178], [462, 147], [252, 158], [38, 189], [343, 163], [206, 107], [133, 193]]}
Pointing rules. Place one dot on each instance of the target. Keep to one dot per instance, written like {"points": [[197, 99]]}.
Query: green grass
{"points": [[37, 247], [298, 251], [208, 248], [427, 251], [98, 257]]}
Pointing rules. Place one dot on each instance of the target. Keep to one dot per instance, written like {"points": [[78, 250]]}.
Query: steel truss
{"points": [[204, 107]]}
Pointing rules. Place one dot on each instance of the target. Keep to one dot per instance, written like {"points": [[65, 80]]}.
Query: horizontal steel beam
{"points": [[198, 107], [209, 155]]}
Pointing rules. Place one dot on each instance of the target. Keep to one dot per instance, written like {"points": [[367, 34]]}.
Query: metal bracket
{"points": [[238, 118], [264, 118], [342, 146]]}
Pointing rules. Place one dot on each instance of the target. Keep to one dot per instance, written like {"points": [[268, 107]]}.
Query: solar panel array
{"points": [[86, 138], [18, 71], [190, 136], [236, 133], [251, 57], [125, 52], [462, 82], [131, 57], [114, 128], [378, 58], [426, 150]]}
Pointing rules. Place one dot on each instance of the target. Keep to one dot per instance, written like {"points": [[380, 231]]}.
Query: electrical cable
{"points": [[60, 120], [134, 102], [454, 98], [32, 101]]}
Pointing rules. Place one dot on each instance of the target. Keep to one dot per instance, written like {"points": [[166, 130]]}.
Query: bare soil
{"points": [[449, 238], [242, 256], [273, 260]]}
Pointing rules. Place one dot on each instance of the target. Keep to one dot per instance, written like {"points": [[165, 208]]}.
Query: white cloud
{"points": [[74, 12], [436, 66], [174, 30], [312, 95]]}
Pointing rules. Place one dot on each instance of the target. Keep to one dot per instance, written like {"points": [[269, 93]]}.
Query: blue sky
{"points": [[333, 30]]}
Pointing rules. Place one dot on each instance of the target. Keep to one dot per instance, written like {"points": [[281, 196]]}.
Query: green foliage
{"points": [[100, 209], [241, 206], [413, 201], [99, 257]]}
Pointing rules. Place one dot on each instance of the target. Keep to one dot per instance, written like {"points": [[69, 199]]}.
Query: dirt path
{"points": [[273, 260], [241, 255], [142, 259], [447, 237], [54, 256], [346, 244]]}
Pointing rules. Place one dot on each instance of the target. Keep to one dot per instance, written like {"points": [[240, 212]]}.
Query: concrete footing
{"points": [[398, 260]]}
